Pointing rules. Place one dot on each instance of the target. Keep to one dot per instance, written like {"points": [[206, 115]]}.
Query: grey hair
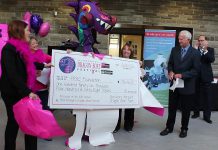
{"points": [[186, 33]]}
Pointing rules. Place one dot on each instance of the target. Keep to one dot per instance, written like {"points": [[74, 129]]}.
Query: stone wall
{"points": [[201, 15]]}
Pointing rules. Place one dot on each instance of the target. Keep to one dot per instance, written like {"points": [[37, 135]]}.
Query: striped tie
{"points": [[183, 53]]}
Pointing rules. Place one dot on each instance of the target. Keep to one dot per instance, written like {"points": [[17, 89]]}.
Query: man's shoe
{"points": [[48, 139], [128, 129], [208, 120], [195, 116], [183, 134], [165, 132]]}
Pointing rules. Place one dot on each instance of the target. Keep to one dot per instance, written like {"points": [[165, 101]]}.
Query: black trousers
{"points": [[185, 101], [128, 119], [43, 95], [203, 98], [12, 127]]}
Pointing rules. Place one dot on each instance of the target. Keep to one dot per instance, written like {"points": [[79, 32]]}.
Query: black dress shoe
{"points": [[208, 120], [128, 129], [48, 139], [183, 134], [165, 132], [195, 116]]}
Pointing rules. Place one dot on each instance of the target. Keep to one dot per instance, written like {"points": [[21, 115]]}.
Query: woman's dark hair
{"points": [[16, 29], [129, 46]]}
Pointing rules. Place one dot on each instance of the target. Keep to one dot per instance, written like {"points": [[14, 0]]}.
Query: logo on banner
{"points": [[104, 65], [67, 65]]}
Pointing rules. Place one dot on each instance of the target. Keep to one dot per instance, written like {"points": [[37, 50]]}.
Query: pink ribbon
{"points": [[155, 110]]}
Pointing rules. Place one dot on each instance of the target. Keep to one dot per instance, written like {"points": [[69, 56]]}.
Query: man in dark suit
{"points": [[204, 80], [184, 63]]}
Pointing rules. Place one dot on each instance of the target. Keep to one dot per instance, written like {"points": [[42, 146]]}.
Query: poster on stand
{"points": [[157, 48]]}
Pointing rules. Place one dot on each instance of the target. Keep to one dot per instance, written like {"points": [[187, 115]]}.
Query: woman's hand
{"points": [[38, 73], [49, 65], [33, 96], [69, 51]]}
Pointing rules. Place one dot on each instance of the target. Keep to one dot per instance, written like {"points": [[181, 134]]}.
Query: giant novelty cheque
{"points": [[87, 82]]}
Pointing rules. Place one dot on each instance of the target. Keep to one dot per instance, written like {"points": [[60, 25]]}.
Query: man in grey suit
{"points": [[184, 63]]}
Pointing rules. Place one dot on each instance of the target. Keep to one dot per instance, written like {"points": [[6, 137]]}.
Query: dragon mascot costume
{"points": [[90, 19]]}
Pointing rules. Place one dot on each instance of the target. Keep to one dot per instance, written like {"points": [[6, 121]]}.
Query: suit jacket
{"points": [[189, 67], [14, 76], [206, 74]]}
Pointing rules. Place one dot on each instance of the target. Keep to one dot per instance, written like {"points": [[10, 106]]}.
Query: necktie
{"points": [[183, 53], [202, 52]]}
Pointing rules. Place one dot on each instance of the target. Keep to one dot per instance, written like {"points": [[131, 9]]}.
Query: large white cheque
{"points": [[84, 82]]}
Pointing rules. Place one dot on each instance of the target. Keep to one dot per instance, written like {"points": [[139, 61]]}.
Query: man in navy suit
{"points": [[204, 80], [184, 63]]}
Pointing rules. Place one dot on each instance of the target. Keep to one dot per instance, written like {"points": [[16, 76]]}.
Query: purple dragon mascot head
{"points": [[89, 17]]}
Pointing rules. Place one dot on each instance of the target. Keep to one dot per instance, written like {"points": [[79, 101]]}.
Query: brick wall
{"points": [[201, 15]]}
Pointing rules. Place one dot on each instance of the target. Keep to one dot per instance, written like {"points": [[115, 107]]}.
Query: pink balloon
{"points": [[44, 29], [27, 17]]}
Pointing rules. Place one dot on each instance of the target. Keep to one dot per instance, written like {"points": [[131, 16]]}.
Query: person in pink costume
{"points": [[41, 58]]}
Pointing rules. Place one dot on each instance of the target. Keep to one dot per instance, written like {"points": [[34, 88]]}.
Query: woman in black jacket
{"points": [[17, 79], [126, 52]]}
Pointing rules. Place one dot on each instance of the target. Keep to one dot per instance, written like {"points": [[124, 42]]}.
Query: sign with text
{"points": [[157, 48], [3, 34], [84, 82], [3, 39]]}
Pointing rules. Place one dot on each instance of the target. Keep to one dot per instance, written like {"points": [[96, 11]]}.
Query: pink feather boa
{"points": [[23, 48], [39, 56]]}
